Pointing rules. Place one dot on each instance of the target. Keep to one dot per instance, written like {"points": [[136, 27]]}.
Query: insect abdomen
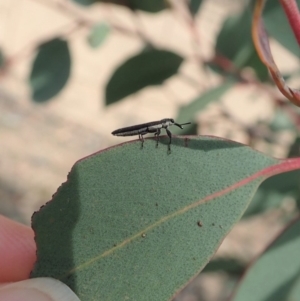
{"points": [[122, 132]]}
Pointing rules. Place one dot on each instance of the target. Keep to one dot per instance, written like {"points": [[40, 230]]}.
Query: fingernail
{"points": [[37, 289]]}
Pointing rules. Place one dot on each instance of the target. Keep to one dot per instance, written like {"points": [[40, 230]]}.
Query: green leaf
{"points": [[255, 63], [1, 58], [241, 52], [188, 112], [194, 6], [295, 148], [129, 219], [98, 34], [281, 121], [227, 265], [276, 274], [150, 6], [85, 2], [51, 70], [236, 27], [278, 27], [272, 192], [151, 67]]}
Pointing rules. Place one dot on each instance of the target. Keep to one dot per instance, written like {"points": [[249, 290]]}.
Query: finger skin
{"points": [[17, 250]]}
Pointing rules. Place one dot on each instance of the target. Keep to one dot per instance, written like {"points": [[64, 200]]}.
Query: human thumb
{"points": [[37, 289]]}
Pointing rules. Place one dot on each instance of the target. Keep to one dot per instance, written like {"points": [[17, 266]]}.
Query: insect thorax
{"points": [[167, 122]]}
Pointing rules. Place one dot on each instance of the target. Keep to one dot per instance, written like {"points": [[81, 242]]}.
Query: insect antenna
{"points": [[180, 125]]}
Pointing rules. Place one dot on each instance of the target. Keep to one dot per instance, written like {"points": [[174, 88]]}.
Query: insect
{"points": [[149, 127]]}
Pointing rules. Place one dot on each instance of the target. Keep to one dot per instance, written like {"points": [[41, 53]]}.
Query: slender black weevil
{"points": [[149, 127]]}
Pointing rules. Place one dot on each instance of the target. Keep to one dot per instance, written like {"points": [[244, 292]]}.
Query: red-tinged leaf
{"points": [[138, 224], [260, 39], [278, 27], [272, 192], [292, 12]]}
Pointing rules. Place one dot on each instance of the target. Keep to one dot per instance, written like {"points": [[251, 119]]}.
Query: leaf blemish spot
{"points": [[199, 223]]}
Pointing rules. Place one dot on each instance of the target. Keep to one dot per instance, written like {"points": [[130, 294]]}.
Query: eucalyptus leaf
{"points": [[150, 6], [147, 68], [273, 191], [227, 265], [188, 112], [278, 26], [276, 273], [138, 224], [281, 121], [85, 2], [234, 42], [50, 70], [194, 6], [1, 58], [98, 34]]}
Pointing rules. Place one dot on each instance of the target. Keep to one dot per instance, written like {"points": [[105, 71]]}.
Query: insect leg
{"points": [[170, 136], [142, 140], [157, 136]]}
